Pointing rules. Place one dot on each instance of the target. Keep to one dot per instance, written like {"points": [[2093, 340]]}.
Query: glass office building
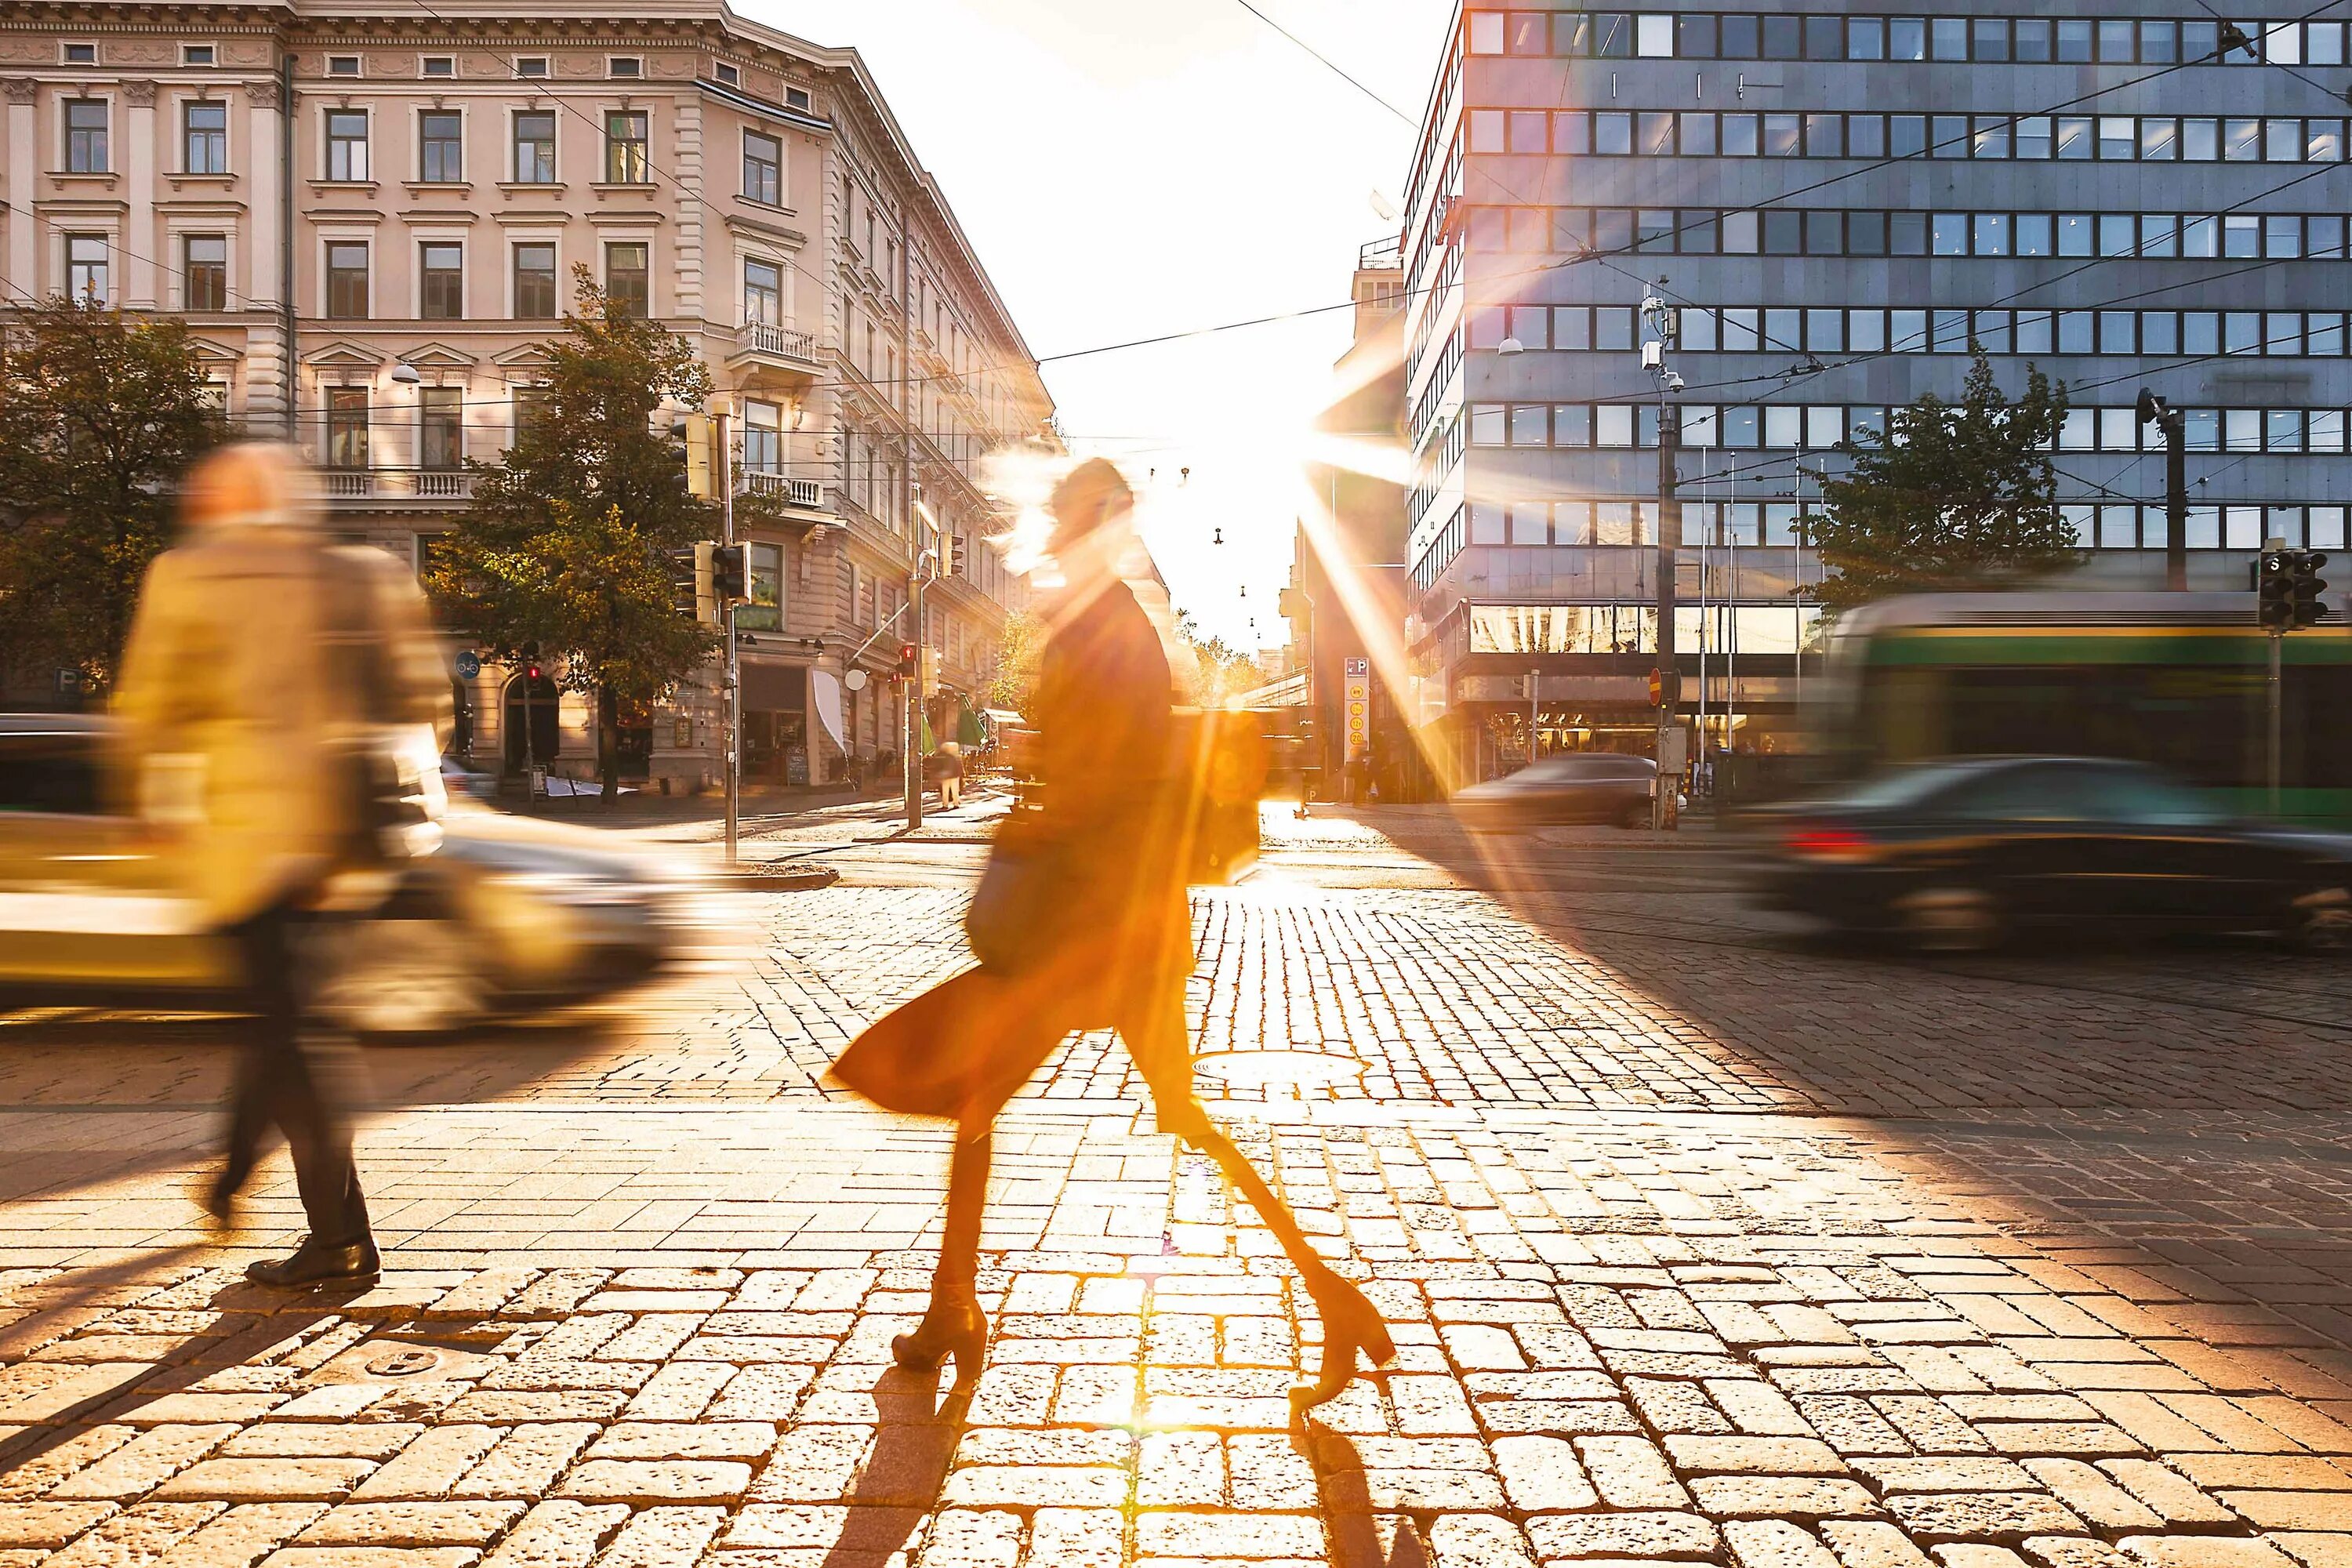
{"points": [[1834, 205]]}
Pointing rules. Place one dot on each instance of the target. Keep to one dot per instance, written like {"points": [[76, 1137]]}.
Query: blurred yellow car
{"points": [[495, 923]]}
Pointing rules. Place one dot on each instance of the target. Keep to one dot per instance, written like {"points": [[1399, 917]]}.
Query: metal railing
{"points": [[760, 337], [398, 484]]}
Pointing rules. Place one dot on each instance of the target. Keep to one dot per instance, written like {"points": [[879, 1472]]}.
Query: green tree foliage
{"points": [[568, 546], [1222, 670], [1957, 495], [100, 418], [1017, 652]]}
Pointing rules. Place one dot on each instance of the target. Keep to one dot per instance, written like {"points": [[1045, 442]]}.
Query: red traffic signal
{"points": [[907, 667]]}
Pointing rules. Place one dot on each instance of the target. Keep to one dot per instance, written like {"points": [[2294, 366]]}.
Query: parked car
{"points": [[502, 919], [1572, 786], [1958, 855]]}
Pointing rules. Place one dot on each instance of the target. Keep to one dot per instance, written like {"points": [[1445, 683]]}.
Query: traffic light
{"points": [[697, 458], [2274, 591], [531, 669], [706, 583], [956, 557], [2308, 585], [907, 667], [727, 575]]}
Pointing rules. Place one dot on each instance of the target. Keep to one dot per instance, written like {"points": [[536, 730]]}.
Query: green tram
{"points": [[2176, 680]]}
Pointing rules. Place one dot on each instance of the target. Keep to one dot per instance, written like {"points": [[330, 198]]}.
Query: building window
{"points": [[530, 65], [530, 408], [203, 138], [796, 98], [534, 282], [440, 428], [86, 270], [764, 438], [441, 135], [764, 575], [628, 280], [81, 54], [347, 144], [86, 136], [763, 169], [764, 293], [204, 272], [534, 147], [343, 65], [625, 159], [347, 427], [347, 280], [441, 281], [626, 66], [439, 65], [197, 55], [730, 75]]}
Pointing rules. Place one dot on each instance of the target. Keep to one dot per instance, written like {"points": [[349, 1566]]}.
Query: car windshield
{"points": [[1904, 787], [1586, 766]]}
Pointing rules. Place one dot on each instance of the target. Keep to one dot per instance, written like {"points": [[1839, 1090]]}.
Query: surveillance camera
{"points": [[1674, 381]]}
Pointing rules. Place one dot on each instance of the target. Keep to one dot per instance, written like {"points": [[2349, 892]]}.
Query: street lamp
{"points": [[404, 374]]}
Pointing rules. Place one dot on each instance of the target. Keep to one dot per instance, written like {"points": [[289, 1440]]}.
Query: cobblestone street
{"points": [[1700, 1241]]}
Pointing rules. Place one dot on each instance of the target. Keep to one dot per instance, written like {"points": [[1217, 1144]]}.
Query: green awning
{"points": [[968, 730]]}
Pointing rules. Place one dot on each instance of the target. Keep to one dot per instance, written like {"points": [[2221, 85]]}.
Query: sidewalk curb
{"points": [[779, 879]]}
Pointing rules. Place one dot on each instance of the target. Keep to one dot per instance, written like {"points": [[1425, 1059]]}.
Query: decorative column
{"points": [[144, 288], [23, 144], [267, 376]]}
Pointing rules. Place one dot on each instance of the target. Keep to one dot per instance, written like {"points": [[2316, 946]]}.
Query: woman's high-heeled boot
{"points": [[952, 1328], [1350, 1324]]}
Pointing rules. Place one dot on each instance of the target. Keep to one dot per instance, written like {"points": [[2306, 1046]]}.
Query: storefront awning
{"points": [[773, 688]]}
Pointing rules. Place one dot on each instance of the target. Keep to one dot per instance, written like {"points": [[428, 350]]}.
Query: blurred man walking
{"points": [[275, 693]]}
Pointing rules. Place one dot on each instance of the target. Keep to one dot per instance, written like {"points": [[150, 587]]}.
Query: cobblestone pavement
{"points": [[1700, 1243]]}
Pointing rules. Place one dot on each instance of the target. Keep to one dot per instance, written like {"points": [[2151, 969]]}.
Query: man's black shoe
{"points": [[353, 1263]]}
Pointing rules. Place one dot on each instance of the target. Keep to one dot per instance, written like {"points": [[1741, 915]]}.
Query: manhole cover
{"points": [[402, 1358], [1261, 1070]]}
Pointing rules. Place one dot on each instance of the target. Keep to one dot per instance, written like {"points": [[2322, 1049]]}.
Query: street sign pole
{"points": [[2278, 639], [725, 470]]}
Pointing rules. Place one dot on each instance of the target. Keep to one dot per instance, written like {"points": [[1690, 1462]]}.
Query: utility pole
{"points": [[1660, 319], [2154, 410], [730, 742]]}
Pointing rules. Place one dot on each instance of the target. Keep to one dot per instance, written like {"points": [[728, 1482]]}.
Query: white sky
{"points": [[1132, 167]]}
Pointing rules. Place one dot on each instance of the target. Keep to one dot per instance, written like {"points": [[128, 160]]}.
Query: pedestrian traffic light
{"points": [[907, 668], [2274, 591], [727, 575], [2308, 585], [706, 583]]}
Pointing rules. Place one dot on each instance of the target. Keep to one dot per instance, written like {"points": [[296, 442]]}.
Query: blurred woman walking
{"points": [[1081, 921]]}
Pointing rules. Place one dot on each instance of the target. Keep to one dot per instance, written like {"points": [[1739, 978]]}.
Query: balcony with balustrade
{"points": [[400, 487], [805, 495], [782, 347]]}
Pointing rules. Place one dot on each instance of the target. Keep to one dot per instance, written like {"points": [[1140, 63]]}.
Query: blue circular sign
{"points": [[469, 665]]}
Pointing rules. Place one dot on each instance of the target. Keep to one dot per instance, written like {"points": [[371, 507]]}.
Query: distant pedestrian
{"points": [[281, 697], [1080, 921], [949, 761]]}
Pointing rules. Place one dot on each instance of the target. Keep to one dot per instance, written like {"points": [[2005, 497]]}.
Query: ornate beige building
{"points": [[371, 215]]}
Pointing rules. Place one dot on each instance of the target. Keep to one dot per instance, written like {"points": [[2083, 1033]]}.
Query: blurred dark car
{"points": [[1958, 855], [505, 918], [1574, 786]]}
